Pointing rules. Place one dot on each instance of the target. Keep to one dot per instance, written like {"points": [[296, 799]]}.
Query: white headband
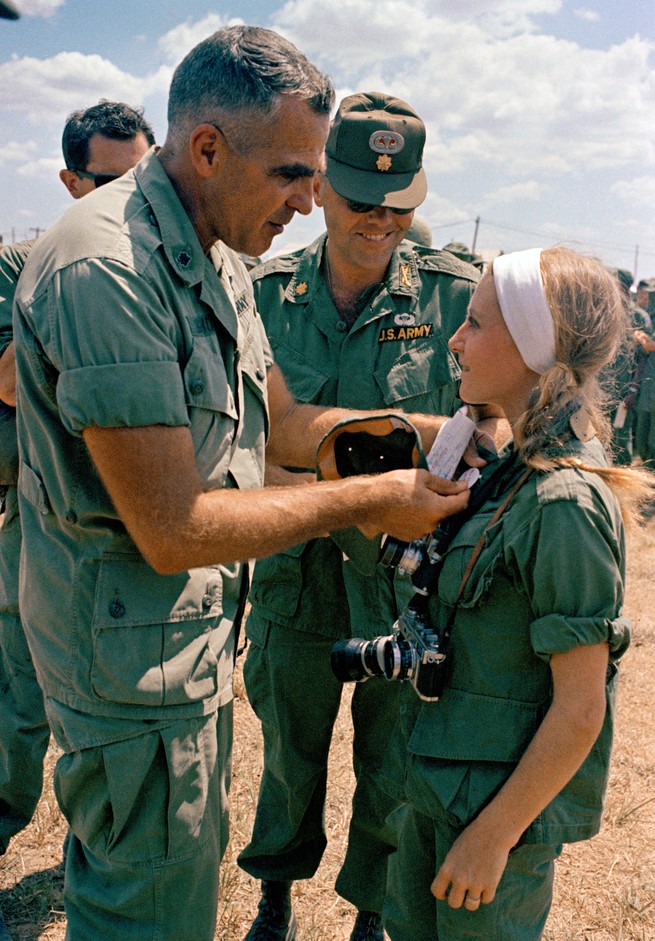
{"points": [[520, 291]]}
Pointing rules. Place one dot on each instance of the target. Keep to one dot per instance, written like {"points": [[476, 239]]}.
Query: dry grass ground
{"points": [[605, 889]]}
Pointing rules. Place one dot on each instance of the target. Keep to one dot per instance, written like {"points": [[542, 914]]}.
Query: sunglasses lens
{"points": [[101, 178], [359, 207], [369, 207]]}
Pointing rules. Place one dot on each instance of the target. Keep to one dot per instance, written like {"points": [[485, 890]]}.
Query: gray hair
{"points": [[243, 68]]}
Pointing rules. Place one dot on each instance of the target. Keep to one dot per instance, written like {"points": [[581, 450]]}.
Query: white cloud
{"points": [[46, 90], [178, 41], [492, 86], [40, 7], [639, 191], [529, 191], [14, 151], [45, 168], [583, 13]]}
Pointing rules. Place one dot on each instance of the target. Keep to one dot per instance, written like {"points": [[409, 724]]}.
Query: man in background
{"points": [[99, 144], [358, 319], [644, 432]]}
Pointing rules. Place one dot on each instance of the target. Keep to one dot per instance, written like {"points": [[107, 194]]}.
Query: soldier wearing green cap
{"points": [[360, 318]]}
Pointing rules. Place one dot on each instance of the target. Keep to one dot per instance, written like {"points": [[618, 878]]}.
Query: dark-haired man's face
{"points": [[106, 156], [257, 189]]}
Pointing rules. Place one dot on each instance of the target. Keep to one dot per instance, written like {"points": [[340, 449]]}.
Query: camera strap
{"points": [[479, 546]]}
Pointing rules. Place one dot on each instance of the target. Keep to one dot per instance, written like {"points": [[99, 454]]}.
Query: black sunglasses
{"points": [[99, 179], [369, 207]]}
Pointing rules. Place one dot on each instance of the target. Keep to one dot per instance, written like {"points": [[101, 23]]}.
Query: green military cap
{"points": [[419, 232], [8, 11], [623, 276], [375, 151], [460, 250]]}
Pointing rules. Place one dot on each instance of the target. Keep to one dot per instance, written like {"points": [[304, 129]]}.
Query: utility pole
{"points": [[37, 231], [475, 235]]}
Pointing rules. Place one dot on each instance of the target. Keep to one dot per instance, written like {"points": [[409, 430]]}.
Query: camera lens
{"points": [[356, 659], [405, 556], [399, 659]]}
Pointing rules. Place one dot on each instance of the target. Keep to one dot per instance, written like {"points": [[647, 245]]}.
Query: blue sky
{"points": [[539, 112]]}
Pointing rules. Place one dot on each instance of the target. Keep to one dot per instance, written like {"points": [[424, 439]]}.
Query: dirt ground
{"points": [[605, 888]]}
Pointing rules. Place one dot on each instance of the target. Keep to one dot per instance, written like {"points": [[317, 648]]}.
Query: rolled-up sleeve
{"points": [[572, 565], [118, 356]]}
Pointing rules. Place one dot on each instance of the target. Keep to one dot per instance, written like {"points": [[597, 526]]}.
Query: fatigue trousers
{"points": [[149, 826], [24, 731], [644, 441], [296, 697], [411, 913]]}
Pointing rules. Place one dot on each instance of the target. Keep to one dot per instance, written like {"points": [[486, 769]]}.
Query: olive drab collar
{"points": [[401, 277], [179, 240], [178, 237]]}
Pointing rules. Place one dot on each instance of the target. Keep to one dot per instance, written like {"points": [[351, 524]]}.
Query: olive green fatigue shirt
{"points": [[395, 356], [121, 320], [550, 578]]}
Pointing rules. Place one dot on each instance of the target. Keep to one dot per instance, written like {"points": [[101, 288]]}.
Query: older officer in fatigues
{"points": [[142, 416], [361, 319]]}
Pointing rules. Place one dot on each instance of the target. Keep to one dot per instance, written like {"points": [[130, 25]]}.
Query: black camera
{"points": [[410, 653]]}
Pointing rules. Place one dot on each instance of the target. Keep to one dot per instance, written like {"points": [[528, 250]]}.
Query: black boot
{"points": [[368, 927], [276, 920], [4, 934]]}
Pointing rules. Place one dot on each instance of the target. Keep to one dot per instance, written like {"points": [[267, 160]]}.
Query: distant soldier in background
{"points": [[99, 144], [419, 232], [623, 376], [460, 250], [645, 405]]}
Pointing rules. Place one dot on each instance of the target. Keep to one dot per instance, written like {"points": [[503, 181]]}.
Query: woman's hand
{"points": [[471, 871], [477, 859]]}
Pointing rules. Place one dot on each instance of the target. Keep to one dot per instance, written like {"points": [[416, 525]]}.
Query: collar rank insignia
{"points": [[383, 163], [301, 288], [184, 259], [405, 276]]}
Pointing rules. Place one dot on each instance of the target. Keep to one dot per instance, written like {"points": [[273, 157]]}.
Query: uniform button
{"points": [[116, 608], [342, 326], [71, 517], [196, 386], [207, 601], [260, 374]]}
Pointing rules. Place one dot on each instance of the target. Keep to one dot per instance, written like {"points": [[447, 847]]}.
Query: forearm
{"points": [[296, 436], [232, 525], [151, 476], [276, 476], [561, 744], [477, 859]]}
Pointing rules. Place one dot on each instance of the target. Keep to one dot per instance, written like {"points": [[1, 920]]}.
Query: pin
{"points": [[404, 320], [184, 259], [386, 142], [405, 275], [301, 288], [383, 163]]}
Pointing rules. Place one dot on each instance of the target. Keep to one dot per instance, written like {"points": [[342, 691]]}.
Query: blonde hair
{"points": [[590, 320]]}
